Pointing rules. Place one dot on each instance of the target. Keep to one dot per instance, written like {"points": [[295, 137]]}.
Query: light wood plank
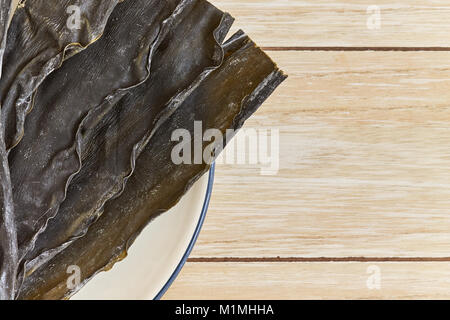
{"points": [[312, 281], [364, 163], [341, 23], [349, 81]]}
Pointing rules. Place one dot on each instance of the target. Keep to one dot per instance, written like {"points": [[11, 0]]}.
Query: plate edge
{"points": [[194, 237]]}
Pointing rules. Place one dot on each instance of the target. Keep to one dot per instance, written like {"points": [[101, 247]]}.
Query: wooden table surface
{"points": [[360, 207]]}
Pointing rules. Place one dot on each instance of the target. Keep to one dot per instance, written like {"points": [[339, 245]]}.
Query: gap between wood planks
{"points": [[405, 49], [321, 259]]}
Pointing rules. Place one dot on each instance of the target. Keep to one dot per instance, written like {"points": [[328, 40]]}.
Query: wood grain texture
{"points": [[364, 160], [350, 81], [290, 23], [364, 163], [312, 281]]}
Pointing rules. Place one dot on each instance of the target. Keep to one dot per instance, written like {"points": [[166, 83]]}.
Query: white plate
{"points": [[158, 254]]}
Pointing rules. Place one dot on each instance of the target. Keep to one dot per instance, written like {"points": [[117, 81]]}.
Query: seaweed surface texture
{"points": [[87, 143], [41, 37], [112, 143], [8, 232], [53, 149]]}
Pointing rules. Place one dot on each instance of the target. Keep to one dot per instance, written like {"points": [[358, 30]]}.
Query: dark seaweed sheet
{"points": [[223, 99], [49, 154], [38, 42], [110, 149], [8, 234]]}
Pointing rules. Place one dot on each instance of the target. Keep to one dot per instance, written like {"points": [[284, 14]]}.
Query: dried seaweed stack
{"points": [[87, 115]]}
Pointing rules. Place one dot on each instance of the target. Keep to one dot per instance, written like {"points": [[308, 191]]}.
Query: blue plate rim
{"points": [[194, 237]]}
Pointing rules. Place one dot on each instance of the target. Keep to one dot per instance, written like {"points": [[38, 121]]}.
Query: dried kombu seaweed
{"points": [[39, 40], [109, 149], [8, 234], [42, 35], [8, 231], [50, 152], [223, 99], [94, 164]]}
